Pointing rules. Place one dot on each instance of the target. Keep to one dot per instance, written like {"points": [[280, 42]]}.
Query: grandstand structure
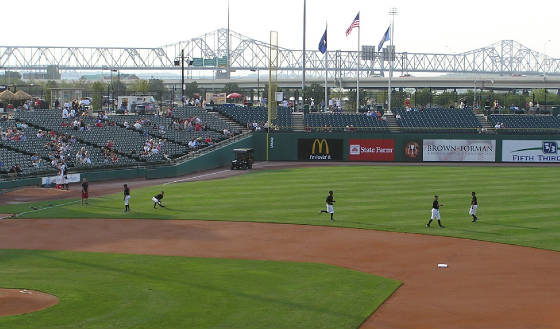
{"points": [[212, 52], [35, 142]]}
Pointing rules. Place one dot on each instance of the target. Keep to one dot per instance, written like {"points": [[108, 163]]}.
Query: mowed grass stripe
{"points": [[517, 204], [135, 291]]}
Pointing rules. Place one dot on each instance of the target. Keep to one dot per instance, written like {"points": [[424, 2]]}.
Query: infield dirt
{"points": [[486, 285]]}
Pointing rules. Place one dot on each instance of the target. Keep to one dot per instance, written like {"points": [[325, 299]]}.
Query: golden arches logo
{"points": [[320, 144]]}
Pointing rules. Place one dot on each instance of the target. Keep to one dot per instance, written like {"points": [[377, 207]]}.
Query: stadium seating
{"points": [[438, 120], [525, 123], [164, 127], [344, 122], [248, 115], [10, 158], [127, 143], [208, 119]]}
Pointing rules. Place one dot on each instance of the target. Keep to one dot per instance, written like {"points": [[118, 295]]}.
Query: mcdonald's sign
{"points": [[320, 149]]}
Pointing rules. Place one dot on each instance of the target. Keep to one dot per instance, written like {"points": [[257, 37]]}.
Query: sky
{"points": [[421, 26]]}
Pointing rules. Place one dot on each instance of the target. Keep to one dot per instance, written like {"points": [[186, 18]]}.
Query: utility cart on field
{"points": [[244, 159]]}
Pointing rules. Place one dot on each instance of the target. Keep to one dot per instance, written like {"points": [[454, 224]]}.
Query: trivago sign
{"points": [[530, 151], [459, 150], [371, 150]]}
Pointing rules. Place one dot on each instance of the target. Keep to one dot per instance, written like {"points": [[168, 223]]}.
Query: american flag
{"points": [[355, 23]]}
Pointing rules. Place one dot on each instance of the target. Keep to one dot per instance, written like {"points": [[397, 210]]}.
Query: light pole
{"points": [[545, 58], [103, 78], [258, 83], [112, 91], [544, 70], [180, 61]]}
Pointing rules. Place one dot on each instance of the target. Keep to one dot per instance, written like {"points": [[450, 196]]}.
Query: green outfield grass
{"points": [[135, 291], [517, 205]]}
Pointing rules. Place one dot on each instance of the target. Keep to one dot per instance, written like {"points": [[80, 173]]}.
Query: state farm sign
{"points": [[371, 150]]}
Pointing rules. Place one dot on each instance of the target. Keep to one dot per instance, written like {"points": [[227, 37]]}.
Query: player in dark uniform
{"points": [[330, 209], [85, 194], [157, 200], [474, 206], [435, 212], [126, 199]]}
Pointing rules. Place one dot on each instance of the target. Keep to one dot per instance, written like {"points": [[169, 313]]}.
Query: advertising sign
{"points": [[320, 149], [530, 151], [218, 98], [371, 150], [70, 178], [412, 150], [459, 150]]}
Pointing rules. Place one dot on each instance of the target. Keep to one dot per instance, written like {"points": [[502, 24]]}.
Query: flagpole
{"points": [[326, 66], [392, 12], [358, 75], [303, 79]]}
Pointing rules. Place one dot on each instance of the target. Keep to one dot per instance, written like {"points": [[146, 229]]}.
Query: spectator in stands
{"points": [[193, 144], [398, 116], [65, 113], [16, 169], [308, 128], [110, 144], [166, 157]]}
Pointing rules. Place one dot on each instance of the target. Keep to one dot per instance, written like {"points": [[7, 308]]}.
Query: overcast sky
{"points": [[421, 26]]}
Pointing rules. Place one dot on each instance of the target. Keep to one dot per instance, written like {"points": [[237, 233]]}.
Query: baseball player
{"points": [[435, 212], [85, 194], [474, 206], [126, 199], [157, 200], [64, 175], [330, 209]]}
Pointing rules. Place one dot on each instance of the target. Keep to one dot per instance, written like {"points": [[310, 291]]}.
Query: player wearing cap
{"points": [[157, 200], [330, 210], [474, 206], [435, 212]]}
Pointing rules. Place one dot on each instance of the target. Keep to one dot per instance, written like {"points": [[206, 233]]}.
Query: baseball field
{"points": [[112, 269]]}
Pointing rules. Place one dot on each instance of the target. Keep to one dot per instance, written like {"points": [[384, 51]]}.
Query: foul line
{"points": [[76, 201], [49, 207], [196, 177]]}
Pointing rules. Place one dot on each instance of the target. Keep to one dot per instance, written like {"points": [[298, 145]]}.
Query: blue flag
{"points": [[386, 37], [323, 43]]}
